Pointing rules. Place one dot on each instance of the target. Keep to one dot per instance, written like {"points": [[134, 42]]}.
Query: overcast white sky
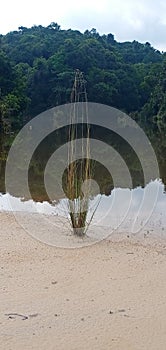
{"points": [[142, 20]]}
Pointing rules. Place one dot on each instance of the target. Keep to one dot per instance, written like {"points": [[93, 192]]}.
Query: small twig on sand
{"points": [[11, 316]]}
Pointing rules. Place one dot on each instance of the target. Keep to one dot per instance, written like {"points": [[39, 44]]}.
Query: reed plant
{"points": [[79, 171]]}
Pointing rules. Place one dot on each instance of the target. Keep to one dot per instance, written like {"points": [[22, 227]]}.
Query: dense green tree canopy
{"points": [[37, 67]]}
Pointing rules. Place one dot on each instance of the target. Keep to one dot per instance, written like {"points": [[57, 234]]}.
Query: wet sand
{"points": [[111, 295]]}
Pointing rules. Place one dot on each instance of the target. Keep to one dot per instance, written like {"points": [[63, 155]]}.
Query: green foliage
{"points": [[37, 67]]}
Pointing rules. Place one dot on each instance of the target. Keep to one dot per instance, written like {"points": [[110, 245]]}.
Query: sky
{"points": [[142, 20]]}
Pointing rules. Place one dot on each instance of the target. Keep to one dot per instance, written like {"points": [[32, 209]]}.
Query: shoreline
{"points": [[31, 223]]}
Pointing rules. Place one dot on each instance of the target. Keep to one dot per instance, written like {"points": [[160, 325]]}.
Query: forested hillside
{"points": [[37, 67]]}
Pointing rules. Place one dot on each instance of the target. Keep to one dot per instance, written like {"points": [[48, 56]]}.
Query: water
{"points": [[121, 211], [137, 211]]}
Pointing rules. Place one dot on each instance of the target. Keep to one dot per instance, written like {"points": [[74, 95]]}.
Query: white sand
{"points": [[111, 295]]}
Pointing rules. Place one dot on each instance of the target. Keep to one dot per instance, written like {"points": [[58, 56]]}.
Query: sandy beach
{"points": [[111, 295]]}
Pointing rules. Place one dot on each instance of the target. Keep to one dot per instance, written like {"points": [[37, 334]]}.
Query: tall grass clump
{"points": [[79, 171]]}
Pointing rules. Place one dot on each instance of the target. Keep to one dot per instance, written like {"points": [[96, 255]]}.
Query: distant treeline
{"points": [[37, 68]]}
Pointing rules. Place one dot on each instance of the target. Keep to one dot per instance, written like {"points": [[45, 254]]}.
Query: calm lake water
{"points": [[139, 213], [142, 207]]}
